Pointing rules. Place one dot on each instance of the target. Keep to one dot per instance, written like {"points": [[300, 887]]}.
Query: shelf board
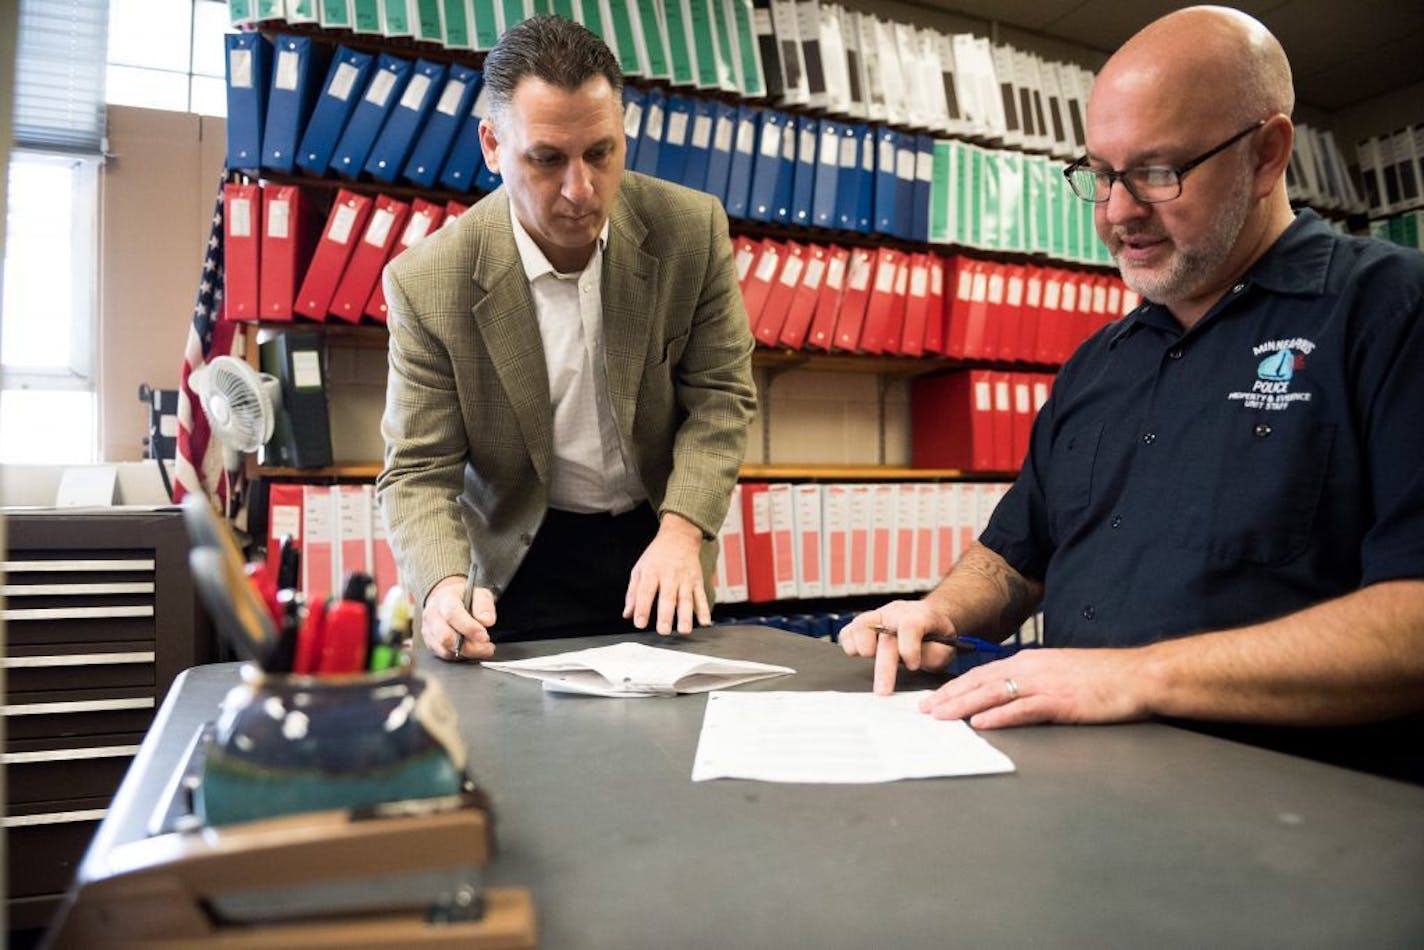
{"points": [[862, 473]]}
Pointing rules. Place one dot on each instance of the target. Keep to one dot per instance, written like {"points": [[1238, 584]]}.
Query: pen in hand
{"points": [[960, 644]]}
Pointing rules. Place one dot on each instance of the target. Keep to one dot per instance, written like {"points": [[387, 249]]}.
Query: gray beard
{"points": [[1191, 269]]}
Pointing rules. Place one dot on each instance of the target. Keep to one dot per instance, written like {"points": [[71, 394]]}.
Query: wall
{"points": [[156, 202]]}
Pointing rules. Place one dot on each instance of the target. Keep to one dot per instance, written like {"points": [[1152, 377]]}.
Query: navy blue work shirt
{"points": [[1267, 459]]}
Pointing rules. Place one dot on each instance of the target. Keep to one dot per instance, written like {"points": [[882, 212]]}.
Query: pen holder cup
{"points": [[284, 744]]}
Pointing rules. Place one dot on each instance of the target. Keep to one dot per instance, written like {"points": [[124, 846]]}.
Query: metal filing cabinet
{"points": [[100, 616]]}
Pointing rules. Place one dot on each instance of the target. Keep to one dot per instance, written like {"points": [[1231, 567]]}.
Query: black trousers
{"points": [[572, 581]]}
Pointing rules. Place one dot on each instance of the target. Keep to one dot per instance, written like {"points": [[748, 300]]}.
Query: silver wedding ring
{"points": [[459, 646], [1012, 687]]}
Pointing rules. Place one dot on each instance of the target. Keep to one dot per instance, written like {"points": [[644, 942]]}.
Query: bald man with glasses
{"points": [[1221, 514]]}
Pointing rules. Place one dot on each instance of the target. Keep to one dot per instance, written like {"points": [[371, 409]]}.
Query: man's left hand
{"points": [[670, 573], [1080, 686]]}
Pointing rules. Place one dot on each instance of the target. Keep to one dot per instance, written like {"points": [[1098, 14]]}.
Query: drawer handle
{"points": [[74, 590], [65, 755], [76, 706], [53, 818], [77, 613], [74, 659], [94, 564]]}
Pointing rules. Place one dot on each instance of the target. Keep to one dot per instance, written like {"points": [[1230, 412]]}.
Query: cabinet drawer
{"points": [[44, 849], [57, 672], [59, 774], [77, 717]]}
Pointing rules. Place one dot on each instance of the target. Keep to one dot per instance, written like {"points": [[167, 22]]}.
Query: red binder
{"points": [[1050, 317], [756, 534], [803, 301], [1032, 315], [288, 233], [744, 255], [1003, 421], [338, 239], [976, 331], [821, 336], [995, 338], [1022, 384], [882, 307], [958, 291], [284, 517], [1014, 333], [859, 270], [242, 234], [363, 271], [758, 284], [453, 209], [934, 307], [951, 421], [778, 299], [425, 218]]}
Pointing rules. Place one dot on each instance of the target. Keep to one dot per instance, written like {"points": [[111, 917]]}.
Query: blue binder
{"points": [[803, 179], [297, 69], [377, 102], [345, 81], [905, 186], [650, 140], [719, 156], [766, 166], [397, 139], [673, 157], [452, 107], [850, 180], [699, 143], [634, 103], [786, 176], [865, 193], [739, 177], [887, 142], [920, 198], [828, 169], [249, 74], [466, 160]]}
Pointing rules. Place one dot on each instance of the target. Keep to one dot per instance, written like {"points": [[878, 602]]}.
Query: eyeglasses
{"points": [[1149, 184]]}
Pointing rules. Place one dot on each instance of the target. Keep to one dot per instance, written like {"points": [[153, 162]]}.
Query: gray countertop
{"points": [[1133, 836]]}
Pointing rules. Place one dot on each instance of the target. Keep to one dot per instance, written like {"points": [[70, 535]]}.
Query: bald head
{"points": [[1207, 59]]}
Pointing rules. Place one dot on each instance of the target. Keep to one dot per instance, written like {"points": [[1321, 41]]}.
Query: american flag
{"points": [[199, 467]]}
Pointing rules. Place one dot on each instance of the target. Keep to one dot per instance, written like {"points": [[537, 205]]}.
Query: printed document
{"points": [[835, 738], [631, 670]]}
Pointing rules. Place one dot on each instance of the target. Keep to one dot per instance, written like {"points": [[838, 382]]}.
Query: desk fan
{"points": [[241, 405]]}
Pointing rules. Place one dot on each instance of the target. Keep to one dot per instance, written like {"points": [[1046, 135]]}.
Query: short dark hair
{"points": [[559, 51]]}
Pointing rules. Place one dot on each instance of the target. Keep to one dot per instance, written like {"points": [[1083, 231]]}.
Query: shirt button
{"points": [[1149, 438], [1089, 613], [1175, 353], [1116, 521], [1262, 431], [1238, 288]]}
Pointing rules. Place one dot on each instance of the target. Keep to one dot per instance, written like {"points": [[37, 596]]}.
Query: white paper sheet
{"points": [[631, 670], [835, 738]]}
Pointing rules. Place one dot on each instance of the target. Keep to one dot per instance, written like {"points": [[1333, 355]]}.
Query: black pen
{"points": [[959, 643]]}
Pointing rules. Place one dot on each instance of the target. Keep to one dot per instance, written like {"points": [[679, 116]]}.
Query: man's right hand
{"points": [[444, 621], [892, 634]]}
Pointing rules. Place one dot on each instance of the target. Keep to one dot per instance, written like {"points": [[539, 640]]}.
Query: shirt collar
{"points": [[536, 265], [1298, 263]]}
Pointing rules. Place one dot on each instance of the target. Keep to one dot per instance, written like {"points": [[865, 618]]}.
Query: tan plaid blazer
{"points": [[468, 421]]}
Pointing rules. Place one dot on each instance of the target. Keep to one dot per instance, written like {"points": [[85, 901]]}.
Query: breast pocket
{"points": [[1070, 475], [1259, 503]]}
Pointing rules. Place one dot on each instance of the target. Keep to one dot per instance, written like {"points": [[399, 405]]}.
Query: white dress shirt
{"points": [[592, 470]]}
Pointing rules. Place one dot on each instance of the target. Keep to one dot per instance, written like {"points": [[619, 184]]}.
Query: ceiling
{"points": [[1342, 52]]}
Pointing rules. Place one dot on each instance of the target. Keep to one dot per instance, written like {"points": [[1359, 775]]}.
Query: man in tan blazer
{"points": [[569, 385]]}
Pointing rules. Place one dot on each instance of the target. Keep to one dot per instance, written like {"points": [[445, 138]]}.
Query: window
{"points": [[47, 406], [168, 54]]}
